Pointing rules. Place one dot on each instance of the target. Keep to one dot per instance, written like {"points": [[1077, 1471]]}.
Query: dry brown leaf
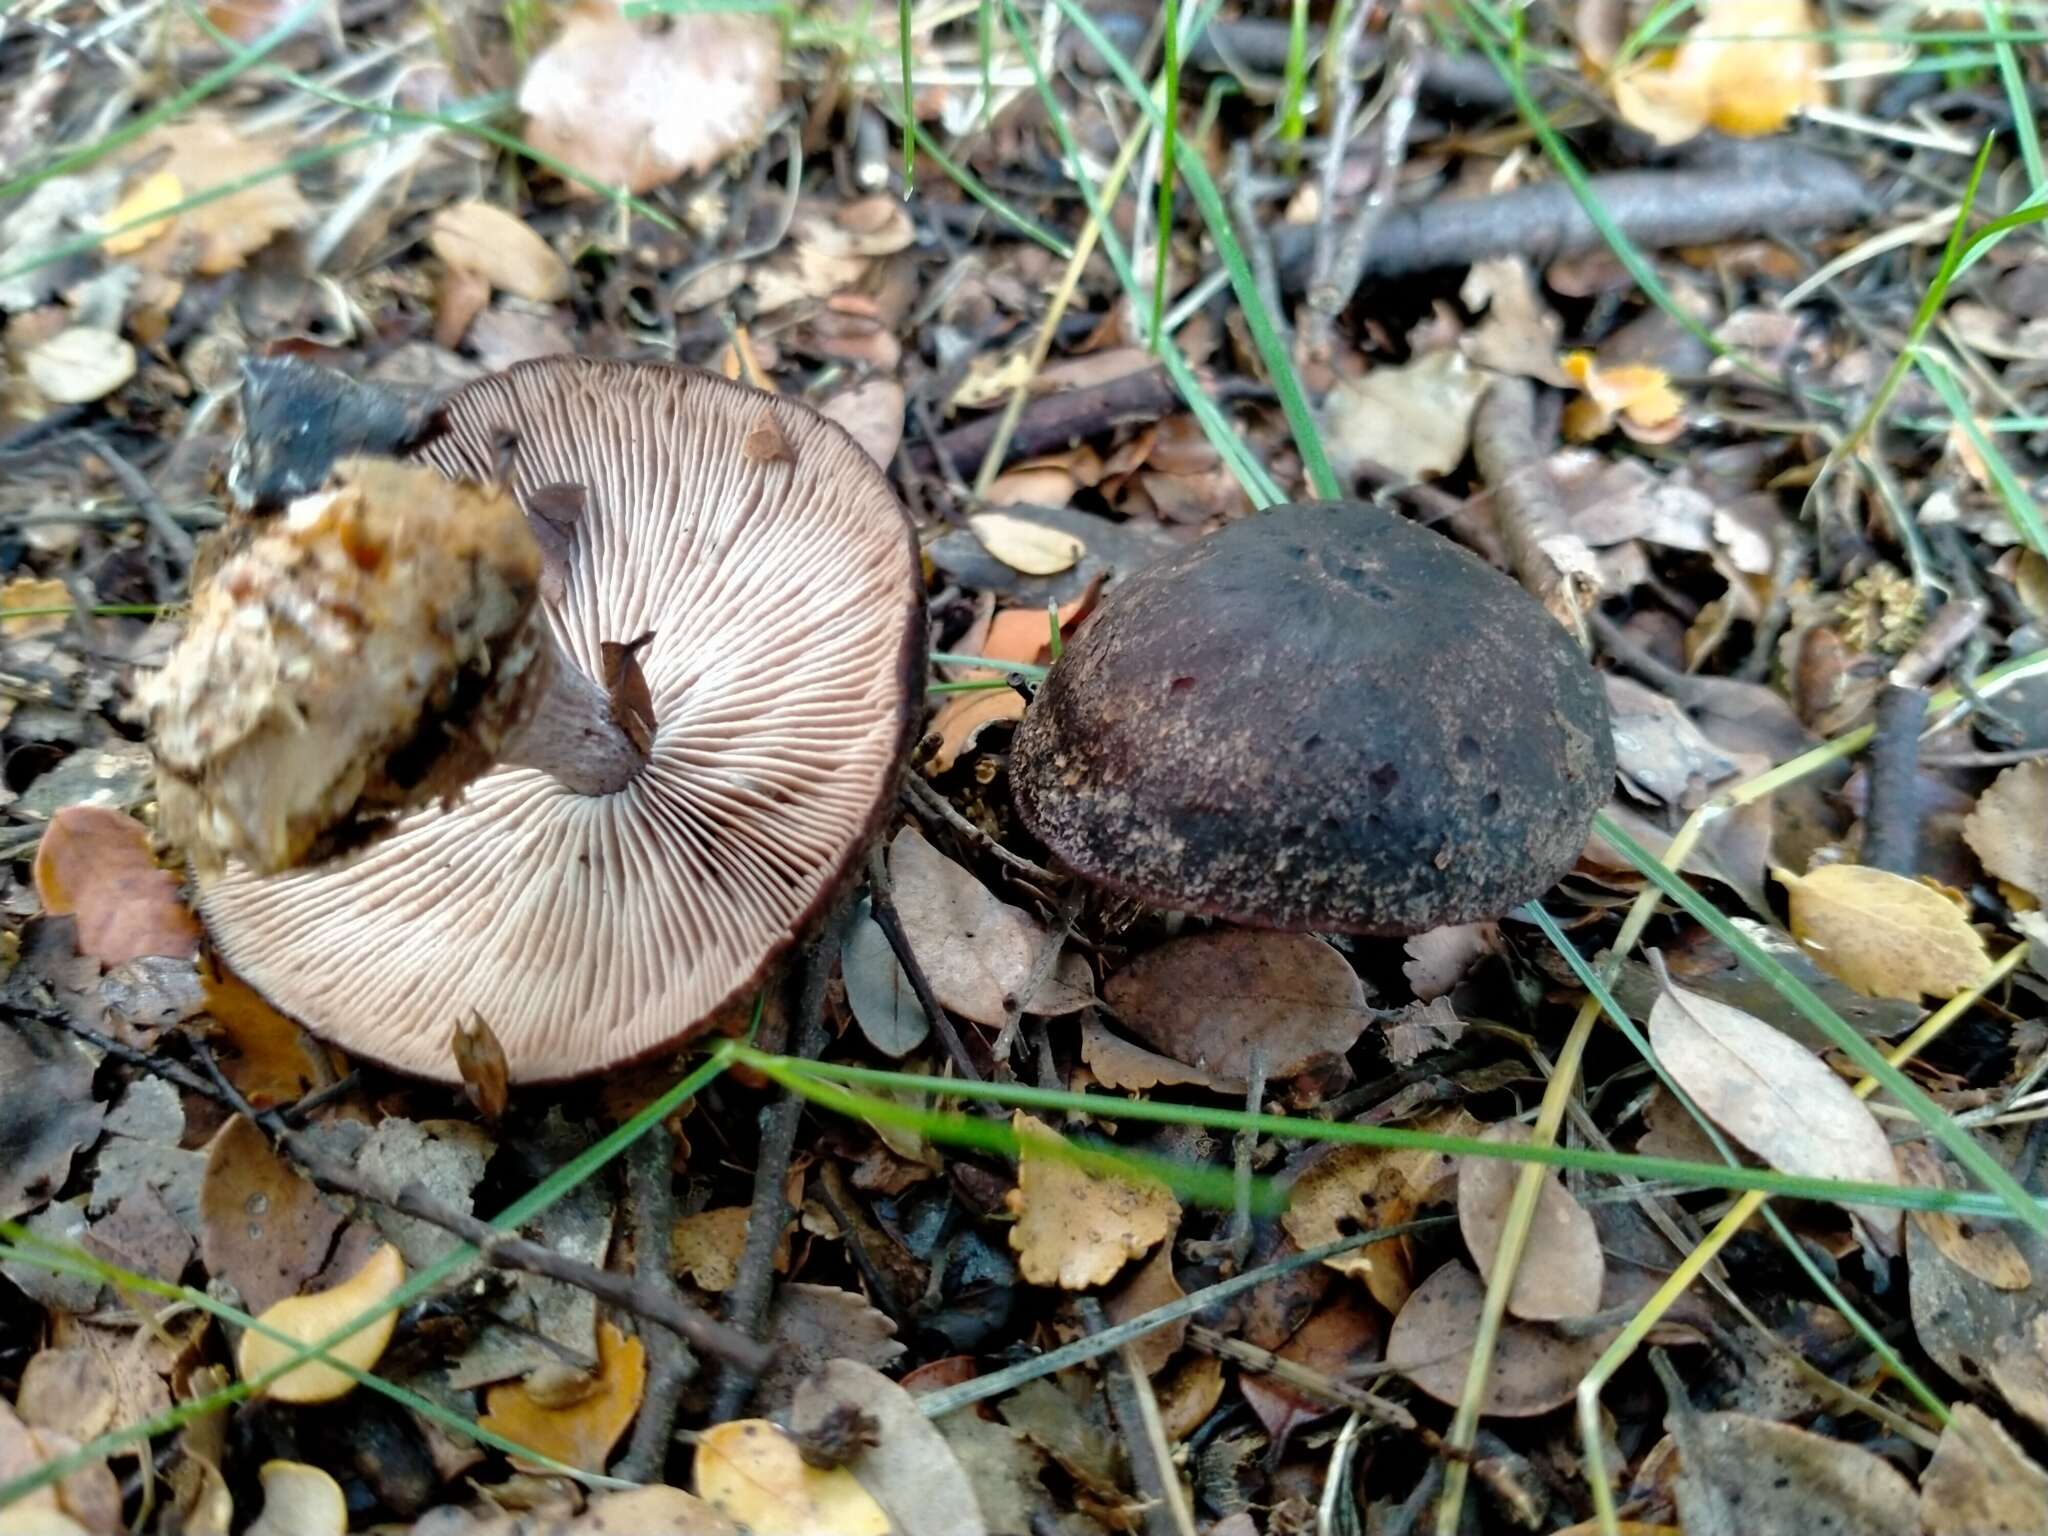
{"points": [[1216, 998], [47, 1112], [1076, 1229], [650, 1511], [977, 951], [151, 195], [751, 1473], [1746, 69], [80, 365], [1883, 934], [878, 991], [264, 1229], [639, 105], [1347, 1190], [307, 1319], [2008, 830], [909, 1469], [1341, 1341], [1775, 1097], [1187, 1395], [500, 248], [707, 1247], [1024, 546], [1980, 1482], [34, 592], [1439, 959], [1562, 1266], [1744, 1476], [1151, 1285], [1978, 1248], [578, 1434], [1535, 1368], [1988, 1338], [204, 151], [94, 864], [87, 1502], [299, 1500], [811, 1325], [1415, 419], [872, 413], [962, 718], [1520, 332], [71, 1391], [1119, 1064]]}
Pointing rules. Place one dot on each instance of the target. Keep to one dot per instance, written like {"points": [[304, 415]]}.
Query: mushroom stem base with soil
{"points": [[570, 731]]}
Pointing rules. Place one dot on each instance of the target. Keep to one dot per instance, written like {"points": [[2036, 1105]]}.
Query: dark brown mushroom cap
{"points": [[778, 574], [1324, 717]]}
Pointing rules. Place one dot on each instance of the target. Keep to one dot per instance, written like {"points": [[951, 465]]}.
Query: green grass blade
{"points": [[909, 102], [1989, 1172], [2019, 505], [1294, 85], [1168, 145]]}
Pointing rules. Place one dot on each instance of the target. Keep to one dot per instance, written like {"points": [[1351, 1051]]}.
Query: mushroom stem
{"points": [[569, 731]]}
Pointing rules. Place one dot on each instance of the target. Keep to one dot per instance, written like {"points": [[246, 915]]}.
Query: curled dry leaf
{"points": [[264, 1229], [204, 151], [1438, 960], [1535, 1368], [751, 1473], [2008, 831], [1635, 393], [637, 105], [1883, 934], [1415, 420], [1213, 1000], [1980, 1483], [1076, 1228], [306, 1320], [299, 1500], [1981, 1249], [1344, 1191], [78, 366], [977, 952], [962, 718], [1775, 1097], [94, 864], [1744, 1476], [1562, 1267], [1119, 1064], [872, 413], [1151, 1285], [1026, 546], [909, 1470], [498, 247], [582, 1432]]}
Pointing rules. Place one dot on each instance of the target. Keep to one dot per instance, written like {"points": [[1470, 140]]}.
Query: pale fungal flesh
{"points": [[783, 596]]}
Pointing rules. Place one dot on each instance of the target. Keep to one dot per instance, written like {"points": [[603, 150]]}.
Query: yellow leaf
{"points": [[576, 1430], [1075, 1228], [1026, 546], [1883, 934], [1746, 68], [31, 592], [299, 1500], [1636, 391], [476, 237], [750, 1472], [152, 194], [309, 1319], [991, 378], [204, 152]]}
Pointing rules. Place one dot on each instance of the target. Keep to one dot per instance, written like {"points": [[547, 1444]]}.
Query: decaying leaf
{"points": [[1076, 1228], [479, 237], [299, 1500], [1151, 1285], [265, 1230], [1415, 419], [1744, 1476], [47, 1112], [87, 1502], [872, 413], [977, 951], [80, 365], [811, 1325], [1343, 1191], [2008, 830], [1980, 1483], [1562, 1266], [1341, 1341], [879, 993], [306, 1320], [708, 1244], [908, 1469], [750, 1472], [581, 1432], [1775, 1097], [650, 1511], [94, 864], [1117, 1063], [1535, 1368], [1216, 998], [637, 105], [1885, 935], [204, 151], [1981, 1249], [1026, 546], [1438, 960]]}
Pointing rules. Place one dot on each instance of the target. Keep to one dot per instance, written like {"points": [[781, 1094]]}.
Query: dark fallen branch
{"points": [[1054, 421], [1753, 190], [670, 1365]]}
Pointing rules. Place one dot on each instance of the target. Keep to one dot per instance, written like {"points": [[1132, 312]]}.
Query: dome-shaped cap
{"points": [[768, 558], [1323, 717]]}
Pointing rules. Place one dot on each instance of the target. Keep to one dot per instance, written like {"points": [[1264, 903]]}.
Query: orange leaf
{"points": [[582, 1433], [94, 864], [274, 1061]]}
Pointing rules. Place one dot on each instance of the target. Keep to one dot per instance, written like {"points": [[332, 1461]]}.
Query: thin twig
{"points": [[931, 805], [147, 502], [1135, 1412], [496, 1248], [882, 907], [1042, 968], [1236, 1241], [1317, 322], [670, 1365]]}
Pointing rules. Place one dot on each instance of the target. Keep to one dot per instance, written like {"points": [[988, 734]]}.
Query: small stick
{"points": [[1526, 509], [1316, 320], [1136, 1414], [882, 907], [670, 1365], [498, 1249], [1891, 821], [931, 805], [1236, 1243], [747, 1302], [1042, 969]]}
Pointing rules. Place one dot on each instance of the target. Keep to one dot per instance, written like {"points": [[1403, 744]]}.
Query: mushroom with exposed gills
{"points": [[582, 753], [1323, 717]]}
